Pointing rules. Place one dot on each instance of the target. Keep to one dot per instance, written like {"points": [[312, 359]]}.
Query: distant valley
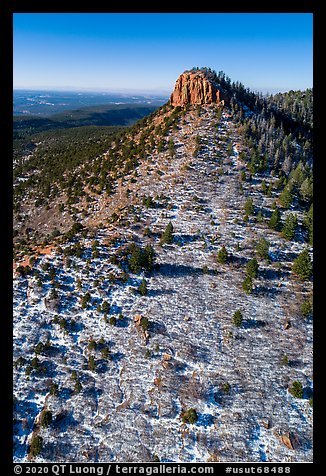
{"points": [[45, 103]]}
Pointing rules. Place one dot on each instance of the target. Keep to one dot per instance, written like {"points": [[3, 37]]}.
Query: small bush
{"points": [[247, 285], [189, 416], [78, 387], [296, 389], [46, 418], [91, 363], [252, 268], [142, 289], [237, 318], [105, 307], [54, 389], [36, 445], [249, 207], [113, 320], [285, 360], [222, 256], [306, 308], [144, 322]]}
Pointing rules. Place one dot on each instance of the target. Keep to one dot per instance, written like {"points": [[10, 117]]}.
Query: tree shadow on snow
{"points": [[307, 393], [272, 274], [180, 239], [175, 270], [252, 324], [160, 292], [66, 303], [116, 309], [201, 354], [238, 261], [205, 420], [266, 291], [102, 366], [117, 356], [287, 257], [64, 420], [185, 239], [157, 328], [122, 322]]}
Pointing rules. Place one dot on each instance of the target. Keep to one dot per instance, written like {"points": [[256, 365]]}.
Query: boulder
{"points": [[266, 423], [287, 440]]}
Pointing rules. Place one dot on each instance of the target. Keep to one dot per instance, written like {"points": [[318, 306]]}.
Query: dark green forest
{"points": [[25, 128]]}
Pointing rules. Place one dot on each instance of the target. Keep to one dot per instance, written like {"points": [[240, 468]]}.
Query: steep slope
{"points": [[124, 385]]}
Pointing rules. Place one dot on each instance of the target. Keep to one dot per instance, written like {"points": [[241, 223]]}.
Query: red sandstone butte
{"points": [[193, 87]]}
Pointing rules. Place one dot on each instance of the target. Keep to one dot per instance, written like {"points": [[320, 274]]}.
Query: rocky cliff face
{"points": [[193, 87]]}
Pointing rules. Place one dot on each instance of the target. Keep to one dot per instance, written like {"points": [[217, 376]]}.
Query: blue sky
{"points": [[148, 51]]}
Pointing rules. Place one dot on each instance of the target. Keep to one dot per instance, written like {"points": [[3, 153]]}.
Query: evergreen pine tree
{"points": [[222, 256], [190, 416], [148, 258], [171, 147], [247, 284], [136, 260], [285, 360], [296, 389], [264, 187], [144, 322], [252, 268], [77, 387], [91, 363], [143, 288], [46, 418], [260, 217], [306, 190], [105, 307], [54, 389], [36, 446], [275, 220], [262, 248], [167, 236], [237, 318], [306, 308], [308, 224], [286, 197], [290, 226], [249, 207], [302, 265]]}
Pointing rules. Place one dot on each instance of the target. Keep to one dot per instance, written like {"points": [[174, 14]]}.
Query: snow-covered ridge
{"points": [[129, 408]]}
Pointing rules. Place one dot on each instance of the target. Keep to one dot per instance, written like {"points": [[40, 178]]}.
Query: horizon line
{"points": [[93, 89], [152, 92]]}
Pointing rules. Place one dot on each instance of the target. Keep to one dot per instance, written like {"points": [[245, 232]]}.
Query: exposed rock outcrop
{"points": [[194, 87]]}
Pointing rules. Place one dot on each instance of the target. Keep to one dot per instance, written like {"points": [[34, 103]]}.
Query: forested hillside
{"points": [[163, 285]]}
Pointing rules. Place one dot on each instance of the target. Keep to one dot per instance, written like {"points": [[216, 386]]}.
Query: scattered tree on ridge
{"points": [[167, 236], [302, 265]]}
